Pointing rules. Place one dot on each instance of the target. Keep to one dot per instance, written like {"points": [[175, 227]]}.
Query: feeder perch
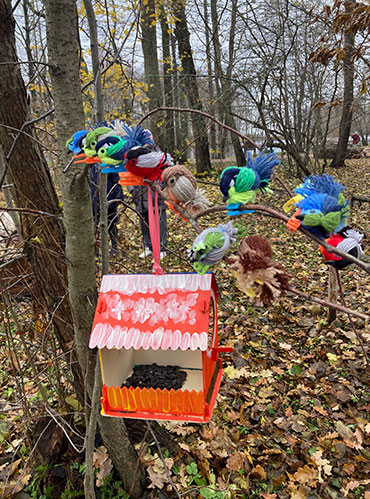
{"points": [[169, 320]]}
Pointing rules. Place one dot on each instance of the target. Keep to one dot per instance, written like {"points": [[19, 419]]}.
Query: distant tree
{"points": [[202, 158], [347, 20], [148, 26], [224, 76]]}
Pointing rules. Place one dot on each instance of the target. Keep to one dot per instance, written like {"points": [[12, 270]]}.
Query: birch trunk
{"points": [[63, 49]]}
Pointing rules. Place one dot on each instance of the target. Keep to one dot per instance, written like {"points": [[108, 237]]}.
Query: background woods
{"points": [[292, 414]]}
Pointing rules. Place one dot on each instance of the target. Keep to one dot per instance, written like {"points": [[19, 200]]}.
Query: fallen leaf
{"points": [[236, 461], [323, 464], [306, 476], [157, 479], [321, 410], [258, 472], [350, 438], [285, 346], [343, 430], [102, 463]]}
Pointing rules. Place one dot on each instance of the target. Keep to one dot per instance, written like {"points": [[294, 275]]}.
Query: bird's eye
{"points": [[102, 150], [312, 211], [171, 181], [93, 144]]}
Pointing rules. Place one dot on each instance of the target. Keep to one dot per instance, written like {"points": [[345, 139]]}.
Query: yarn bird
{"points": [[347, 240], [76, 142], [92, 139], [240, 185], [322, 207], [182, 188], [112, 149], [211, 245], [146, 163], [260, 277]]}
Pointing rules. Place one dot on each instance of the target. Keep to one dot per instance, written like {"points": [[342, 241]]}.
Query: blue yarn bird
{"points": [[112, 150], [240, 185], [322, 207], [75, 143], [322, 214]]}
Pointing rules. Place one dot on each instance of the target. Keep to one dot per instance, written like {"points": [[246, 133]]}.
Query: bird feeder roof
{"points": [[168, 311]]}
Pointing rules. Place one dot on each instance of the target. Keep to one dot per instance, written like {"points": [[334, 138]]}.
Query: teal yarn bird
{"points": [[240, 185]]}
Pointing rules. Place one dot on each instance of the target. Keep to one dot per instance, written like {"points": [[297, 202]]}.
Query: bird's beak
{"points": [[225, 198], [300, 217]]}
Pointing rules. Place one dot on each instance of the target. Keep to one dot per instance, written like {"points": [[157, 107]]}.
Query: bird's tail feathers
{"points": [[263, 165]]}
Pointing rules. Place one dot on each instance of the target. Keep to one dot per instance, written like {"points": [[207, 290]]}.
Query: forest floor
{"points": [[292, 415]]}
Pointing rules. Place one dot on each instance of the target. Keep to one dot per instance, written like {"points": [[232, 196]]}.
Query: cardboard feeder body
{"points": [[162, 319]]}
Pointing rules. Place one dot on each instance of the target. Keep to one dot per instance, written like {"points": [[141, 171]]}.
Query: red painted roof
{"points": [[153, 311]]}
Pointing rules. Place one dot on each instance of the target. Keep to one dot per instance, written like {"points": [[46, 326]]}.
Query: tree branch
{"points": [[284, 218], [328, 304]]}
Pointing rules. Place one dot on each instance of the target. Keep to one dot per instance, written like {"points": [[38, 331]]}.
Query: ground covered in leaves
{"points": [[292, 416]]}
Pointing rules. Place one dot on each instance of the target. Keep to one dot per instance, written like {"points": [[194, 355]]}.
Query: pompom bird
{"points": [[240, 185], [77, 141], [347, 240], [147, 163], [92, 139], [211, 245], [182, 188], [322, 208], [260, 277]]}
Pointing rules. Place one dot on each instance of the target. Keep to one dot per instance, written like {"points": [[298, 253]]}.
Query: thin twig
{"points": [[219, 123], [163, 461], [31, 212], [64, 431], [202, 113], [358, 335], [14, 63]]}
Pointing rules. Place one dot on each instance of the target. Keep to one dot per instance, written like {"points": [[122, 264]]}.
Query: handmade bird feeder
{"points": [[167, 320]]}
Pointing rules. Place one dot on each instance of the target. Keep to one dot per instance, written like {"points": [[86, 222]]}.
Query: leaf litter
{"points": [[292, 415]]}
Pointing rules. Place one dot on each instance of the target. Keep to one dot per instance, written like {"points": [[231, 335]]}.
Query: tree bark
{"points": [[203, 162], [63, 49], [33, 188], [181, 121]]}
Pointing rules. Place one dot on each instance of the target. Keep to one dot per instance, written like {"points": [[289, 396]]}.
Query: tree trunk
{"points": [[167, 84], [151, 68], [347, 111], [33, 188], [225, 79], [180, 120], [203, 162], [210, 76], [63, 49]]}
